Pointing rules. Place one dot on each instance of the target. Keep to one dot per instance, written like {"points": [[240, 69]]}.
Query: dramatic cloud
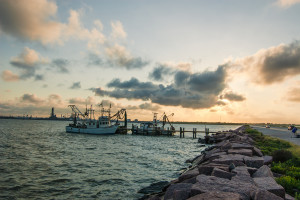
{"points": [[293, 95], [61, 65], [119, 56], [158, 72], [28, 62], [9, 76], [231, 96], [287, 3], [166, 69], [76, 85], [274, 64], [198, 90]]}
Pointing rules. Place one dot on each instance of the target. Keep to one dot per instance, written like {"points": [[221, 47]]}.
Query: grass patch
{"points": [[287, 157], [267, 144]]}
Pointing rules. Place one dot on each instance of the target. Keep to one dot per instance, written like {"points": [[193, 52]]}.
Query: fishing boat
{"points": [[153, 128], [86, 123]]}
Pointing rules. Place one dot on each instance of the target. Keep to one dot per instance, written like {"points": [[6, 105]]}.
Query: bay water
{"points": [[39, 160]]}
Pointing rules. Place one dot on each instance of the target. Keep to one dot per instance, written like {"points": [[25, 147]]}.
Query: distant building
{"points": [[128, 120], [136, 120]]}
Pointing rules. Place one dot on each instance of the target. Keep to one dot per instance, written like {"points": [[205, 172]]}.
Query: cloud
{"points": [[286, 3], [198, 90], [31, 98], [118, 30], [61, 65], [9, 76], [76, 85], [39, 77], [31, 104], [149, 106], [293, 94], [159, 71], [20, 19], [119, 56], [231, 96], [81, 101], [164, 69], [274, 64], [28, 62]]}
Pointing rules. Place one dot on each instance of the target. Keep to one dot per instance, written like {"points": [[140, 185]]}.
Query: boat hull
{"points": [[96, 131]]}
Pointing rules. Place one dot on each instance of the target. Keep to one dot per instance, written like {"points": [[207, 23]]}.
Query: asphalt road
{"points": [[278, 132]]}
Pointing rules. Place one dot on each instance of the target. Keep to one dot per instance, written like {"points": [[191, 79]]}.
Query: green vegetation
{"points": [[286, 160], [267, 144]]}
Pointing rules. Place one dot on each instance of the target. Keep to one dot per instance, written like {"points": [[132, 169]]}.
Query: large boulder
{"points": [[242, 175], [269, 184], [216, 196], [236, 159], [221, 173], [268, 160], [178, 191], [241, 146], [246, 152], [211, 183], [257, 152], [189, 174], [263, 171], [208, 168], [264, 195], [254, 161]]}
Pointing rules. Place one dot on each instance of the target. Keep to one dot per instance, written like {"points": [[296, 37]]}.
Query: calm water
{"points": [[39, 160]]}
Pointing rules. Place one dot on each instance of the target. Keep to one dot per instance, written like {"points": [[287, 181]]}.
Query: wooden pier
{"points": [[168, 132]]}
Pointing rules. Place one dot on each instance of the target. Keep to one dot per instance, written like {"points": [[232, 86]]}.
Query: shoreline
{"points": [[232, 168]]}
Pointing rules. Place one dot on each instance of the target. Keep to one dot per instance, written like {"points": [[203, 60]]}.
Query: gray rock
{"points": [[198, 160], [211, 183], [254, 161], [191, 180], [257, 152], [269, 184], [178, 191], [242, 175], [289, 197], [189, 174], [268, 160], [224, 145], [241, 146], [221, 173], [208, 168], [263, 171], [264, 195], [214, 156], [216, 196], [241, 170], [246, 152], [251, 170], [237, 160]]}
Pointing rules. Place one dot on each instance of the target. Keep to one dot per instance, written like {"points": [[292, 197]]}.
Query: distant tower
{"points": [[52, 115]]}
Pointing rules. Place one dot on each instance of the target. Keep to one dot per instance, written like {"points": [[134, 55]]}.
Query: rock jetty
{"points": [[231, 169]]}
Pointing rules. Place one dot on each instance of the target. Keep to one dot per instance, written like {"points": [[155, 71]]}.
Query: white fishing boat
{"points": [[86, 123]]}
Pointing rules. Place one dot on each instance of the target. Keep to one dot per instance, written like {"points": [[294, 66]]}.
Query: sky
{"points": [[204, 61]]}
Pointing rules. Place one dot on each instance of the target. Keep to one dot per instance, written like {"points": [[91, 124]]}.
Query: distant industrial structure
{"points": [[52, 115]]}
